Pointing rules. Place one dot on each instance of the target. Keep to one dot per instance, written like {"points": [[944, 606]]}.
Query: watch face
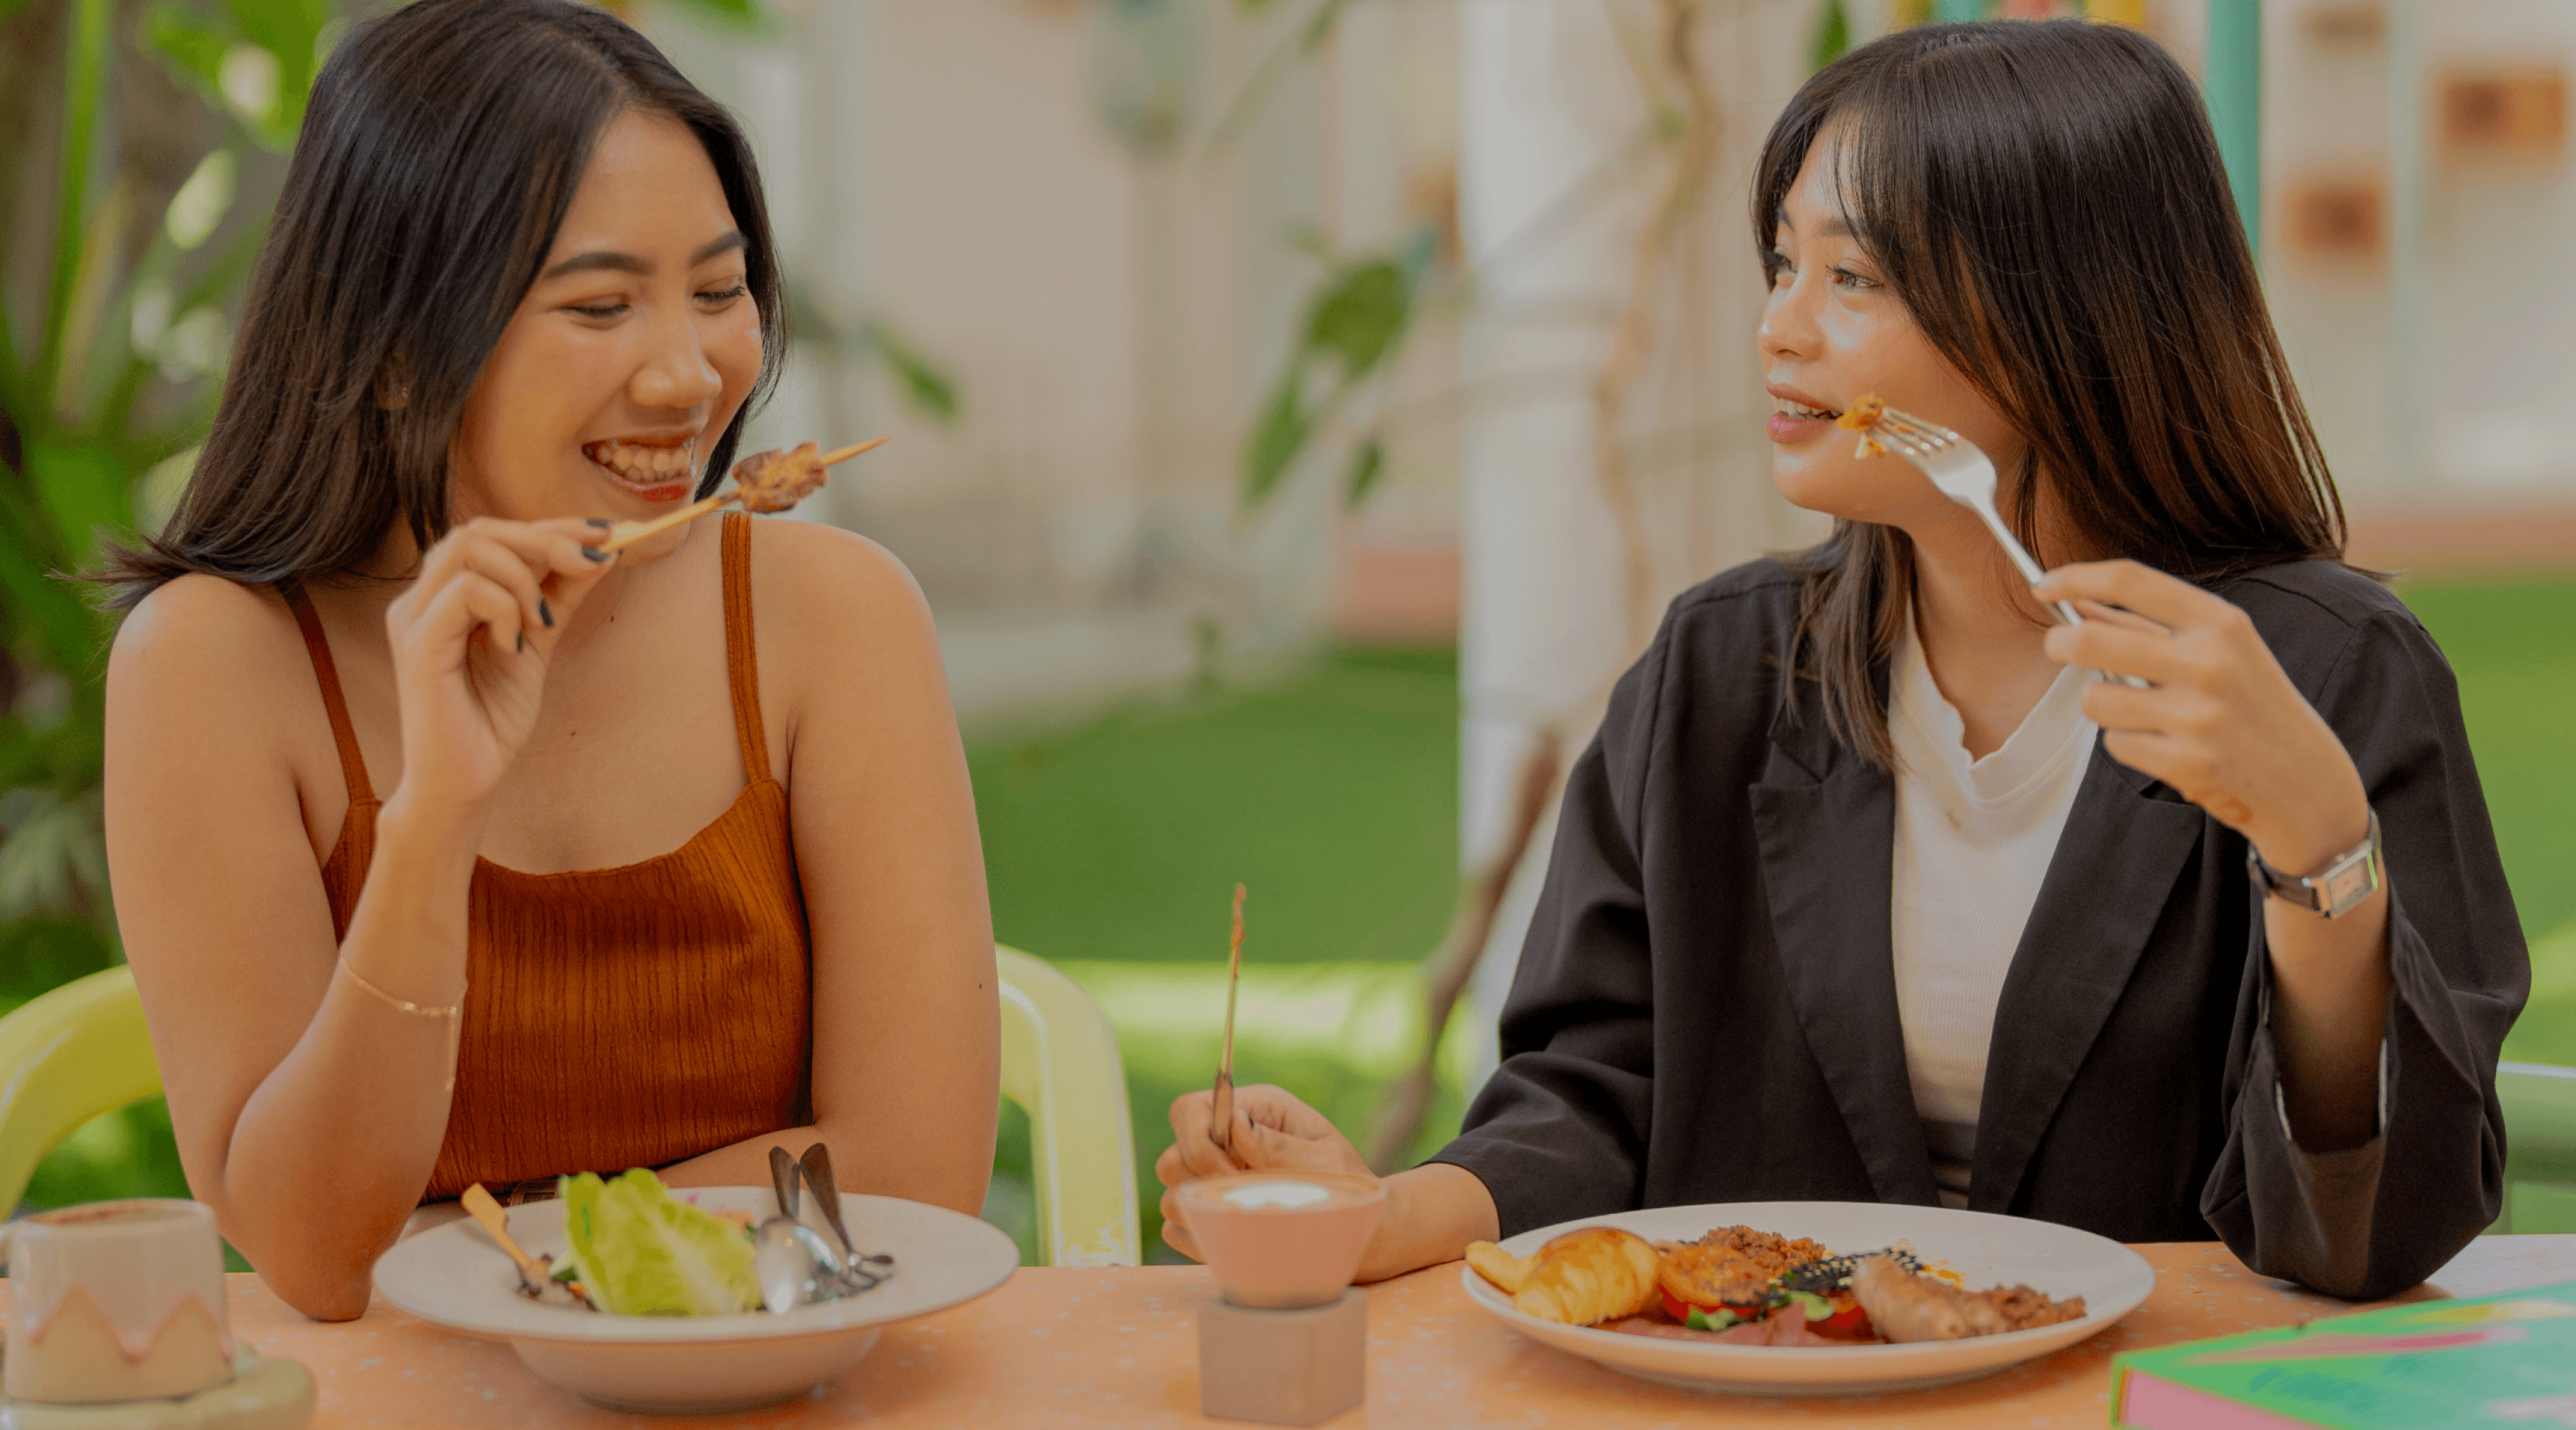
{"points": [[2350, 881]]}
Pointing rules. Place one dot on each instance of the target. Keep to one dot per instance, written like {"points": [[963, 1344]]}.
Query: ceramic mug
{"points": [[1282, 1240], [115, 1301]]}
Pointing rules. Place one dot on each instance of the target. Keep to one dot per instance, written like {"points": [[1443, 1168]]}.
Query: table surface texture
{"points": [[1064, 1347]]}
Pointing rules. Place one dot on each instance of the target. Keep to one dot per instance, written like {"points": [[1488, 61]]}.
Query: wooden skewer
{"points": [[1221, 1111], [627, 533]]}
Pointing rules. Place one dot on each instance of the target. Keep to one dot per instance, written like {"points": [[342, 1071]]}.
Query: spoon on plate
{"points": [[793, 1264], [858, 1272]]}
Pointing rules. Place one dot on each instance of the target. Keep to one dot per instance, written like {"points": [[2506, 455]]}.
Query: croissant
{"points": [[1585, 1277], [1505, 1270]]}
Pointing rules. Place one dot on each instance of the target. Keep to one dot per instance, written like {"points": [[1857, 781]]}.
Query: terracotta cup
{"points": [[1281, 1240], [116, 1301]]}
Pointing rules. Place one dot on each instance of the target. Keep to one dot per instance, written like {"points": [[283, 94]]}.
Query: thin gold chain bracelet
{"points": [[417, 1010]]}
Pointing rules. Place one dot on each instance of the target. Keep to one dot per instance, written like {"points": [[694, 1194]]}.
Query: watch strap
{"points": [[2348, 879]]}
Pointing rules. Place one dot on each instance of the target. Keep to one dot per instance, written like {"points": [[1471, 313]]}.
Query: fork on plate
{"points": [[1965, 475]]}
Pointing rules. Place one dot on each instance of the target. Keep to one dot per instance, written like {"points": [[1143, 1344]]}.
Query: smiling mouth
{"points": [[1802, 411], [646, 467]]}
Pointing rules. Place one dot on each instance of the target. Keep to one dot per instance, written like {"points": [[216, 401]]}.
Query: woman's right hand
{"points": [[1272, 1129], [471, 640]]}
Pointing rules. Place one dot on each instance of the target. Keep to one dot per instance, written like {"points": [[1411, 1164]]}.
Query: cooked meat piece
{"points": [[2024, 1309], [1662, 1329], [775, 481], [1785, 1327], [1788, 1328], [1907, 1307]]}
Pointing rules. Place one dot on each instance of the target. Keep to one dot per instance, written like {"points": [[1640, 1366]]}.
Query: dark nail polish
{"points": [[599, 521], [595, 554], [523, 642], [545, 613]]}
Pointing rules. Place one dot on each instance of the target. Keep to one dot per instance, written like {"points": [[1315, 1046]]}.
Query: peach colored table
{"points": [[1118, 1347]]}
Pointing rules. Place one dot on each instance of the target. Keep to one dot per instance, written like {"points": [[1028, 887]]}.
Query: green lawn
{"points": [[2513, 646], [1332, 797]]}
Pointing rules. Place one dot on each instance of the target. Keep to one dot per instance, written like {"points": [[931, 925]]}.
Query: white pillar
{"points": [[1545, 104], [1557, 177]]}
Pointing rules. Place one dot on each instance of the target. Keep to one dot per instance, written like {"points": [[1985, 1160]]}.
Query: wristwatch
{"points": [[2347, 880]]}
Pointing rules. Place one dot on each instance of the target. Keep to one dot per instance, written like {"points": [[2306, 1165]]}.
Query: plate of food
{"points": [[1807, 1298], [648, 1298]]}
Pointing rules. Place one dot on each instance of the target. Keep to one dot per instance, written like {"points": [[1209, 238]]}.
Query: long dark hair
{"points": [[438, 156], [2047, 200]]}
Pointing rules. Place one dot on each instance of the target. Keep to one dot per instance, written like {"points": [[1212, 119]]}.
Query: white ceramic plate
{"points": [[1985, 1250], [456, 1277]]}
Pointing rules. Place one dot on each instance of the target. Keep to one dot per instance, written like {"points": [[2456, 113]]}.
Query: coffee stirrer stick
{"points": [[1221, 1112], [627, 533]]}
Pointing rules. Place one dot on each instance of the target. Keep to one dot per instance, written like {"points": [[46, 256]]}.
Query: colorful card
{"points": [[2505, 1361]]}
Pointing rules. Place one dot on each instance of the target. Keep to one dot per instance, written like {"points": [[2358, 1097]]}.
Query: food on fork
{"points": [[1860, 417], [1585, 1277], [1905, 1306], [777, 480]]}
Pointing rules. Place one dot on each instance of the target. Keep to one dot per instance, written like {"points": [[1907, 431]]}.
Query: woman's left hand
{"points": [[2224, 726]]}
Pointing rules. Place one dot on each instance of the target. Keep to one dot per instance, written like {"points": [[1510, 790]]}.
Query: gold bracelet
{"points": [[417, 1010]]}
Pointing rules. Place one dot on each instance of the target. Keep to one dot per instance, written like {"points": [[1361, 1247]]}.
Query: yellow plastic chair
{"points": [[1060, 1063], [65, 1057], [81, 1050]]}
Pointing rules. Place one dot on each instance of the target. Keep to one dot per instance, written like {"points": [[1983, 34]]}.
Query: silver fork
{"points": [[1965, 475]]}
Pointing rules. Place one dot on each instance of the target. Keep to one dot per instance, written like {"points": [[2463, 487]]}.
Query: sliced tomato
{"points": [[1851, 1323]]}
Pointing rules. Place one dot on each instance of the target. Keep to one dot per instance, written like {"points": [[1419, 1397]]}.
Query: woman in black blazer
{"points": [[2021, 230]]}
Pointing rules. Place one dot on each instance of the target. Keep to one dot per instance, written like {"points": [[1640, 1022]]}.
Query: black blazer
{"points": [[1705, 1010]]}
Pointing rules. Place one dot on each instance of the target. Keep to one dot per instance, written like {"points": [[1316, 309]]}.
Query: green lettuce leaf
{"points": [[643, 1252]]}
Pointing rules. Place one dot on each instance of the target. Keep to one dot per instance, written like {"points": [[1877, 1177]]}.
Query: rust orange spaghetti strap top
{"points": [[626, 1017]]}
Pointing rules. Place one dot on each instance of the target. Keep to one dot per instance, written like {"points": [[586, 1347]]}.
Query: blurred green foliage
{"points": [[1833, 35], [1354, 324], [154, 114]]}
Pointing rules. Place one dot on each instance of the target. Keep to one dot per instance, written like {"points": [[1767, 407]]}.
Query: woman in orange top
{"points": [[449, 848]]}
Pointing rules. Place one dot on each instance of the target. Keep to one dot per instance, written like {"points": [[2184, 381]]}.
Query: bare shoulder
{"points": [[212, 714], [825, 589], [211, 642]]}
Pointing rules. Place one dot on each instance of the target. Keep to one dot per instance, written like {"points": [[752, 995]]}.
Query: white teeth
{"points": [[636, 461], [1801, 410]]}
